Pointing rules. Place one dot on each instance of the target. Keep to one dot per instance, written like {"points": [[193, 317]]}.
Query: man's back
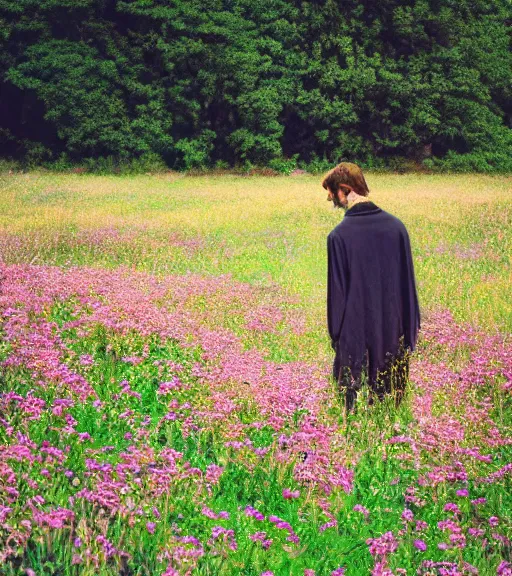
{"points": [[372, 300]]}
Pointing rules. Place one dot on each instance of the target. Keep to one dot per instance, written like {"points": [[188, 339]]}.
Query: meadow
{"points": [[166, 406]]}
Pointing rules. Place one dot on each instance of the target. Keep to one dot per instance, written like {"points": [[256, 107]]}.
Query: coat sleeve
{"points": [[410, 302], [336, 287]]}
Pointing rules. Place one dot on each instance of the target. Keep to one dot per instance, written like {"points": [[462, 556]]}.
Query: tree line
{"points": [[202, 83]]}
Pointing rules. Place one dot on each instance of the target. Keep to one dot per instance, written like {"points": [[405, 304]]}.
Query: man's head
{"points": [[343, 180]]}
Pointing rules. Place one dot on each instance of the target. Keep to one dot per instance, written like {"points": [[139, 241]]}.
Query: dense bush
{"points": [[244, 82]]}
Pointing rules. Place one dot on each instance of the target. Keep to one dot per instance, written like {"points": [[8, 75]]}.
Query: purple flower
{"points": [[407, 515], [493, 521], [504, 569], [420, 545], [338, 572], [330, 524], [258, 536], [256, 514], [151, 527], [463, 493], [450, 507]]}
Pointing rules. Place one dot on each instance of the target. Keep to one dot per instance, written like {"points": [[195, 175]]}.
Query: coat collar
{"points": [[363, 208]]}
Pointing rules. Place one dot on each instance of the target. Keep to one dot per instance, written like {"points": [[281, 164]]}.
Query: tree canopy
{"points": [[199, 82]]}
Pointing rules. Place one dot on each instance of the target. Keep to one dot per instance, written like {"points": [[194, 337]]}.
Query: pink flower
{"points": [[289, 494], [407, 515], [385, 544], [493, 521], [338, 572], [151, 527], [86, 360], [381, 569], [213, 473], [463, 493], [364, 511]]}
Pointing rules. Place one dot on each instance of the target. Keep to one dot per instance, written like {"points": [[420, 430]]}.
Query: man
{"points": [[372, 305]]}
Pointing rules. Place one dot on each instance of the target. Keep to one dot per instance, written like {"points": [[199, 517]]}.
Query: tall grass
{"points": [[165, 399]]}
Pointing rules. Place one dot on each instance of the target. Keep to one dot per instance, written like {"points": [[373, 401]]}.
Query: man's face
{"points": [[337, 198]]}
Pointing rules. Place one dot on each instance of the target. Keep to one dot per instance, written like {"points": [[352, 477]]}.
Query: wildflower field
{"points": [[166, 406]]}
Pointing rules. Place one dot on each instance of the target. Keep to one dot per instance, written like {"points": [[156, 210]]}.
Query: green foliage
{"points": [[485, 162], [253, 82], [317, 165], [148, 162], [8, 166], [196, 152], [284, 165]]}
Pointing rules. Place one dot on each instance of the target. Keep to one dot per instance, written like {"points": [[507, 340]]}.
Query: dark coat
{"points": [[371, 290]]}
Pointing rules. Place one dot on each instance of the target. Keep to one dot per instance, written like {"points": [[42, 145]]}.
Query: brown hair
{"points": [[349, 177]]}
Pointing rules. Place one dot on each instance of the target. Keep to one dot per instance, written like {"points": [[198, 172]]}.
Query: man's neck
{"points": [[362, 208], [354, 199]]}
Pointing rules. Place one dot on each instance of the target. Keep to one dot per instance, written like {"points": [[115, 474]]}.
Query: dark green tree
{"points": [[195, 82]]}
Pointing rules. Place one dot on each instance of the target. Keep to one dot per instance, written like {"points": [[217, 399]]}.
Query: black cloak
{"points": [[371, 291]]}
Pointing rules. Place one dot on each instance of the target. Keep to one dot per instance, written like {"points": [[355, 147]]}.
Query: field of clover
{"points": [[166, 406]]}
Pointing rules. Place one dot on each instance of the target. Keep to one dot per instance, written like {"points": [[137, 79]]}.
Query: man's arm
{"points": [[336, 287], [409, 294]]}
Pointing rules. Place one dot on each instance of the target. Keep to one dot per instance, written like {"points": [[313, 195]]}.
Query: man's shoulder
{"points": [[393, 220], [338, 232], [334, 232], [348, 226]]}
